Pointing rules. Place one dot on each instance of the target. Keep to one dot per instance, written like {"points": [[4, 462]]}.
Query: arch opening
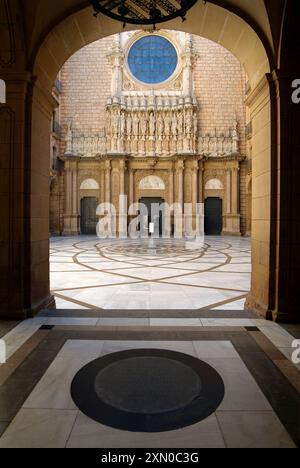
{"points": [[220, 26]]}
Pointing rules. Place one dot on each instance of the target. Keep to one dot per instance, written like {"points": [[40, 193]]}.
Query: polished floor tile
{"points": [[91, 273], [39, 428], [253, 430]]}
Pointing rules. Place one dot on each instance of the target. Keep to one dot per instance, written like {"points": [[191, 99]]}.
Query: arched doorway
{"points": [[88, 218], [219, 25], [213, 216]]}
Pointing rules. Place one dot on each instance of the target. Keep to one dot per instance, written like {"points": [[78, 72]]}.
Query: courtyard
{"points": [[87, 273]]}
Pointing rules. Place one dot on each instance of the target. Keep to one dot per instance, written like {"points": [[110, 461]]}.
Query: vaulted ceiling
{"points": [[40, 16]]}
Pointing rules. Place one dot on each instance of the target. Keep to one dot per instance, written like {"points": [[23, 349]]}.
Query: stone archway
{"points": [[218, 24]]}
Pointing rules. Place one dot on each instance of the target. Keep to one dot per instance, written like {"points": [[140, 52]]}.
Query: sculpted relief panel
{"points": [[152, 183], [153, 117]]}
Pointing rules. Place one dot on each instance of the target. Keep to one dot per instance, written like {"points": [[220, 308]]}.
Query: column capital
{"points": [[180, 166], [108, 165]]}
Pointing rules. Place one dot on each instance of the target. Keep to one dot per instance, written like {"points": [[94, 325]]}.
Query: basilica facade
{"points": [[159, 117]]}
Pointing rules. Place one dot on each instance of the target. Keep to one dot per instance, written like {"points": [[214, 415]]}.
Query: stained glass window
{"points": [[152, 59]]}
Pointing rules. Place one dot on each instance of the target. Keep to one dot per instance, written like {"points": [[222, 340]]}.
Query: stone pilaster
{"points": [[231, 217], [71, 215]]}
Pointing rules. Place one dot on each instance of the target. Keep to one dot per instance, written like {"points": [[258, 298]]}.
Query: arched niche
{"points": [[214, 184], [89, 184]]}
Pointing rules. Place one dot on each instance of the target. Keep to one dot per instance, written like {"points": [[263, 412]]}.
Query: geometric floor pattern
{"points": [[123, 296], [260, 407], [88, 273]]}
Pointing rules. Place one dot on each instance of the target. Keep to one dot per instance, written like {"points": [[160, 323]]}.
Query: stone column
{"points": [[235, 190], [180, 172], [194, 191], [228, 191], [195, 186], [231, 218], [200, 183], [24, 192], [122, 203], [122, 176], [171, 186], [131, 186], [179, 215], [75, 189], [102, 186], [170, 214], [71, 214], [108, 182]]}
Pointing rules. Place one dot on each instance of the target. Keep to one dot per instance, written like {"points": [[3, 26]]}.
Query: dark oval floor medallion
{"points": [[147, 390]]}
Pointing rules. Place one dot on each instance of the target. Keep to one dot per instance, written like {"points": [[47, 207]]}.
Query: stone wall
{"points": [[218, 77], [219, 83]]}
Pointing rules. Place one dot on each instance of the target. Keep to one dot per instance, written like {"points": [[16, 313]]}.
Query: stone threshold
{"points": [[100, 313]]}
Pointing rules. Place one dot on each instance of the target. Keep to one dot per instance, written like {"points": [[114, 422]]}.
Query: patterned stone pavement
{"points": [[87, 273], [169, 296]]}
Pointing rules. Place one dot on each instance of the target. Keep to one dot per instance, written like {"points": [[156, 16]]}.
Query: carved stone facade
{"points": [[153, 143]]}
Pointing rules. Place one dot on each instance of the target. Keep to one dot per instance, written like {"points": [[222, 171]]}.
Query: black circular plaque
{"points": [[147, 390]]}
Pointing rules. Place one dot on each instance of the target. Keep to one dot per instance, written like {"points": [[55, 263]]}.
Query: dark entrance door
{"points": [[156, 218], [213, 216], [89, 219]]}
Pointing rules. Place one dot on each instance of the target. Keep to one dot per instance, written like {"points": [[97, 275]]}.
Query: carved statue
{"points": [[167, 125], [180, 124], [174, 125], [214, 145], [152, 124], [144, 125], [206, 144], [160, 126], [136, 125], [122, 124], [115, 124], [129, 125], [188, 125]]}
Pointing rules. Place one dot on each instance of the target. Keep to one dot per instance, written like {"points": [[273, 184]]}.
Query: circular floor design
{"points": [[152, 249], [147, 390]]}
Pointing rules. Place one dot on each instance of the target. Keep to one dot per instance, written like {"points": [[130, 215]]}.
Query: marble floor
{"points": [[87, 273], [261, 406], [118, 296]]}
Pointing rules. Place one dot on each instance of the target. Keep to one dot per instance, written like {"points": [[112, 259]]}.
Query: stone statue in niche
{"points": [[167, 125], [122, 124], [129, 125], [144, 125], [152, 126], [214, 145], [180, 124], [228, 145], [188, 125], [136, 125], [160, 126], [206, 144], [115, 124], [174, 125]]}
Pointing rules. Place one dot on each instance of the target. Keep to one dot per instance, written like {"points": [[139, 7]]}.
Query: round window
{"points": [[152, 59]]}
